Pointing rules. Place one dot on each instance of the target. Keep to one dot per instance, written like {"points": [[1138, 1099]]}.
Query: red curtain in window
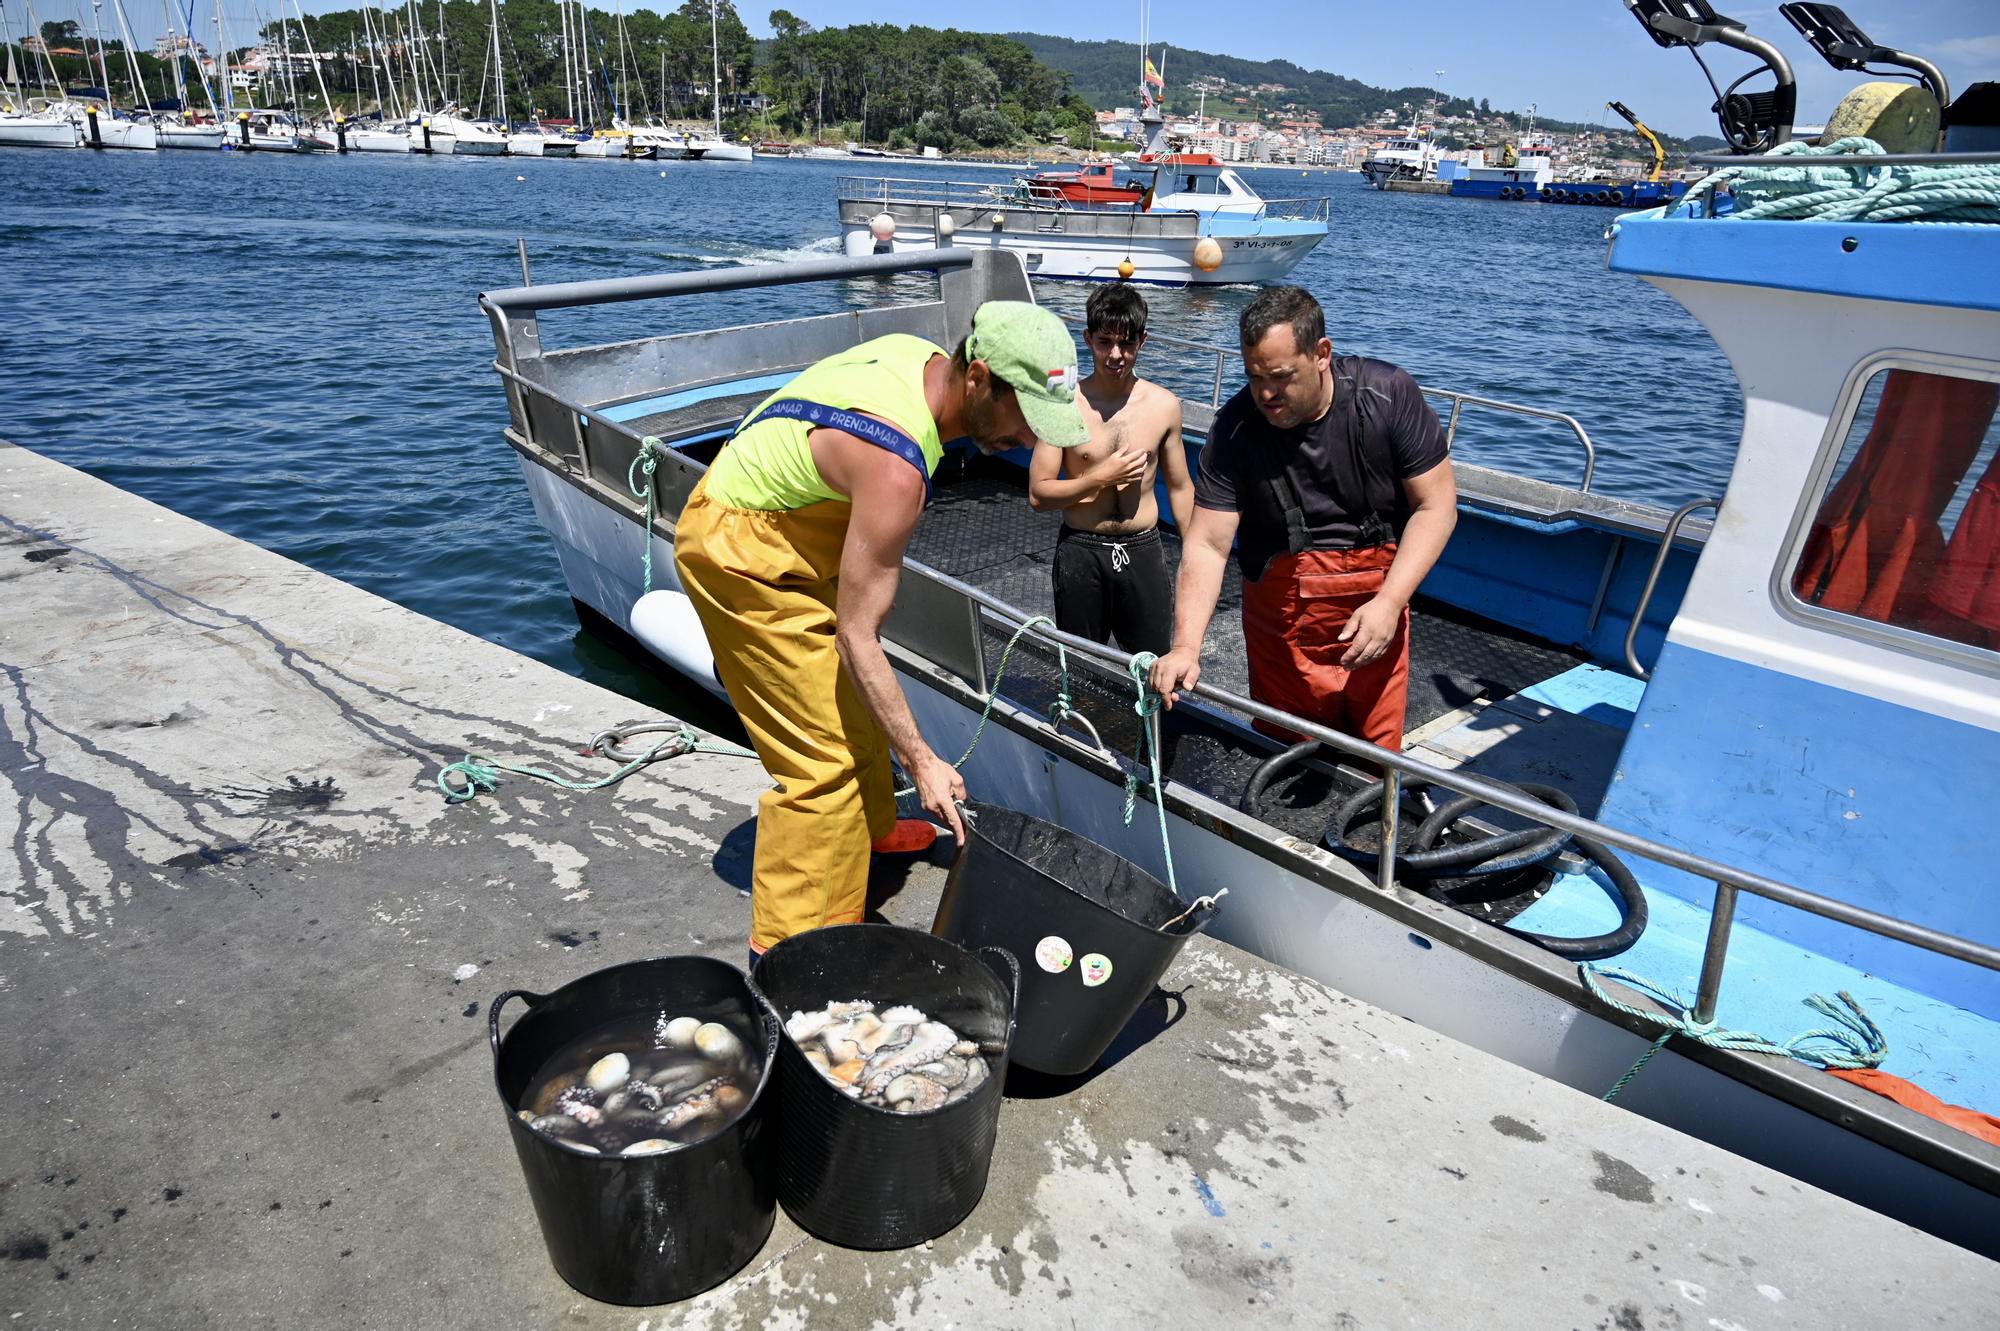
{"points": [[1966, 597], [1876, 546]]}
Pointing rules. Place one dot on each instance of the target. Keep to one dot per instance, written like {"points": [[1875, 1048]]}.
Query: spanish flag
{"points": [[1153, 77]]}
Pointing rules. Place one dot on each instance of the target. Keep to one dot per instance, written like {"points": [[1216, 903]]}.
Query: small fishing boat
{"points": [[1095, 183], [1201, 225], [1777, 729]]}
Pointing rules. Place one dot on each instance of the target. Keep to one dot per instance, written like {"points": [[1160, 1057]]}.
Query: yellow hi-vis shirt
{"points": [[770, 464]]}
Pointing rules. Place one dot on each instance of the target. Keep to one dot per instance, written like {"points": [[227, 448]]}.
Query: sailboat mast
{"points": [[140, 96], [499, 69], [306, 36], [715, 69], [222, 62]]}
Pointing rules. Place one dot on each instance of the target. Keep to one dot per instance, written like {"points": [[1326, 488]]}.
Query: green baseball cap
{"points": [[1028, 349]]}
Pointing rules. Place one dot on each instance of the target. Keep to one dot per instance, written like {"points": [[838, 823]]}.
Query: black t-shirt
{"points": [[1403, 439]]}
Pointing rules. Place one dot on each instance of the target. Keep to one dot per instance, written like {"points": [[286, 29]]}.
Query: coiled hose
{"points": [[1482, 857]]}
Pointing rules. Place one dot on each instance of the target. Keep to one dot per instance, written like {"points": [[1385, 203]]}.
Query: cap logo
{"points": [[1064, 378]]}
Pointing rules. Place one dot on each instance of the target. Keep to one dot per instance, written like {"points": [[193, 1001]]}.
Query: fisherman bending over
{"points": [[1340, 478], [791, 547], [1110, 569]]}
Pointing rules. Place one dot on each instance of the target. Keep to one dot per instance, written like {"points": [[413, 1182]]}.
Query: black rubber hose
{"points": [[1631, 901], [1418, 863], [1252, 801], [1477, 859]]}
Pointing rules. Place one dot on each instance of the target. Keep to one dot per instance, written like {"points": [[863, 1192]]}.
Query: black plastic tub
{"points": [[1094, 932], [655, 1228], [855, 1174]]}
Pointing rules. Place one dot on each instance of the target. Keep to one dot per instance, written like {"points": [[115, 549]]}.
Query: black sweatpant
{"points": [[1115, 586]]}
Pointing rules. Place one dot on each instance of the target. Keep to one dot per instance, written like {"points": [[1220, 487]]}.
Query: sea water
{"points": [[290, 348]]}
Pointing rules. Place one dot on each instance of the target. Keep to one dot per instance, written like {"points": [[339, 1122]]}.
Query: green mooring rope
{"points": [[1855, 1042], [1147, 706], [646, 460], [483, 773], [1886, 193]]}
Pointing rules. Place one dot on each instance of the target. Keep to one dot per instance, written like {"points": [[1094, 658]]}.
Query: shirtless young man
{"points": [[1110, 569]]}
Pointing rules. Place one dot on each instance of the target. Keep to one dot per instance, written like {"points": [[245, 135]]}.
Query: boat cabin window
{"points": [[1197, 185], [1908, 531]]}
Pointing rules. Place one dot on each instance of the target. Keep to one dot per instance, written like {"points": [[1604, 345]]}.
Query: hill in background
{"points": [[1107, 74]]}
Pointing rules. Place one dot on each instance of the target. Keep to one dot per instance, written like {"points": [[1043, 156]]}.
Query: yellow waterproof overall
{"points": [[764, 582]]}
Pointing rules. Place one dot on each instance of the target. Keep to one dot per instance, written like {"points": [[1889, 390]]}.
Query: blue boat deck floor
{"points": [[1567, 731]]}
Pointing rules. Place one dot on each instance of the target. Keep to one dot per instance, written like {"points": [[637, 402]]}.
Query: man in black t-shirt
{"points": [[1334, 482]]}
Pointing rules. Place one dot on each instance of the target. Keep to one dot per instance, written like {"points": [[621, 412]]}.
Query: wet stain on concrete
{"points": [[472, 1010], [1621, 1180], [1514, 1127], [569, 939], [205, 857], [171, 1194], [1625, 1317], [27, 1248], [43, 556], [170, 719]]}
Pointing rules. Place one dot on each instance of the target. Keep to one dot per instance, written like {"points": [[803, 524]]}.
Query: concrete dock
{"points": [[246, 951]]}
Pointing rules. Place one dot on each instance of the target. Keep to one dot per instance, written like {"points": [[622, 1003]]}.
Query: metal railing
{"points": [[1653, 581], [920, 193], [1296, 210], [1729, 881], [1459, 401]]}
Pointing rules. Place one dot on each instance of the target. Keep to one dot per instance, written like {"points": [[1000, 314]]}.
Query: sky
{"points": [[1567, 56]]}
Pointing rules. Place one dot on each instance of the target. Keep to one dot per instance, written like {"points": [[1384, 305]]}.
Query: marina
{"points": [[233, 757], [393, 674]]}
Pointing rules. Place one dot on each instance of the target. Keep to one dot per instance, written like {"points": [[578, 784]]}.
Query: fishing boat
{"points": [[1779, 766], [1203, 225], [1196, 221], [1507, 172]]}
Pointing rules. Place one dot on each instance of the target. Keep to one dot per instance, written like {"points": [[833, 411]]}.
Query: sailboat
{"points": [[179, 128], [26, 123], [717, 148], [99, 122]]}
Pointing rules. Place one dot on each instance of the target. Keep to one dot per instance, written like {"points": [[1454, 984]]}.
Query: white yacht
{"points": [[35, 124]]}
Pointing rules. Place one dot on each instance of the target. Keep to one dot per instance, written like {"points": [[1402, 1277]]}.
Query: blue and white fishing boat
{"points": [[1779, 726]]}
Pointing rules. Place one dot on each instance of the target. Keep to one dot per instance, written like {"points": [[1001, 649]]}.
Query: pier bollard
{"points": [[243, 127], [340, 132], [427, 136], [96, 136]]}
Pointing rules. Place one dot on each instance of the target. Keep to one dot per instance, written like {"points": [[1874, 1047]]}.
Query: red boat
{"points": [[1092, 184]]}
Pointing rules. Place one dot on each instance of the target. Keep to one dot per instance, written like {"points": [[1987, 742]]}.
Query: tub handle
{"points": [[1002, 963], [493, 1013]]}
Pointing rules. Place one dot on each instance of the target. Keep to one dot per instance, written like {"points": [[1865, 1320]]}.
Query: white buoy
{"points": [[663, 175], [519, 178], [882, 226], [1207, 254], [947, 225]]}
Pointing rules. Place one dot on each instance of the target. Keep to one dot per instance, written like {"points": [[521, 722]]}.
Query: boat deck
{"points": [[248, 947]]}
